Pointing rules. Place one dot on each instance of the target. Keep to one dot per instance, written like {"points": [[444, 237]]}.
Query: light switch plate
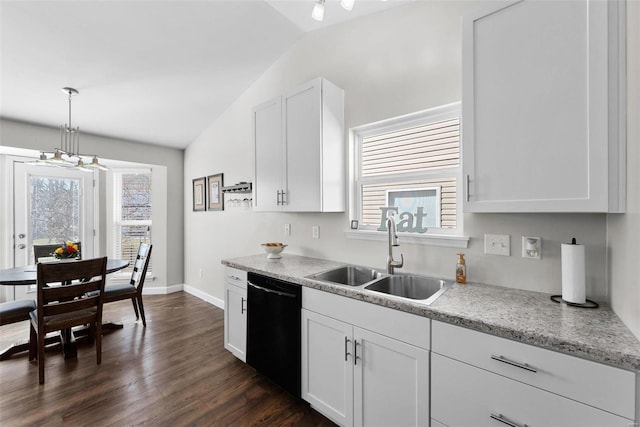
{"points": [[315, 232], [497, 244], [287, 229]]}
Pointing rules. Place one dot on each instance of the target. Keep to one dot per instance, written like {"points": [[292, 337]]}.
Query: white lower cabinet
{"points": [[357, 377], [483, 380], [327, 366], [463, 395], [235, 312], [391, 381]]}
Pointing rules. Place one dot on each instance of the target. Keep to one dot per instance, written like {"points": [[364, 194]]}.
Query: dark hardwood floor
{"points": [[175, 372]]}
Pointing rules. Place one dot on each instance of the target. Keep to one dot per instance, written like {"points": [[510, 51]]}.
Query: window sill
{"points": [[446, 240]]}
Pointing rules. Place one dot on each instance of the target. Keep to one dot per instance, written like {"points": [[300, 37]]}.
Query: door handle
{"points": [[242, 308], [22, 236], [346, 348], [505, 420], [22, 246], [524, 366], [355, 359]]}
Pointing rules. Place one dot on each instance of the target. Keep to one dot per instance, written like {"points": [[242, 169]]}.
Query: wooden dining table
{"points": [[27, 275]]}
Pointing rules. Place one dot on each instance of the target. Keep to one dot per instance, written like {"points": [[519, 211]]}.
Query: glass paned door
{"points": [[51, 205], [54, 209]]}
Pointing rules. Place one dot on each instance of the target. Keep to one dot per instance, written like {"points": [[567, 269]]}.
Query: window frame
{"points": [[114, 222], [452, 237]]}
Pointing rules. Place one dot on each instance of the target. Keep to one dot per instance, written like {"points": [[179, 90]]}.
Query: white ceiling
{"points": [[152, 71]]}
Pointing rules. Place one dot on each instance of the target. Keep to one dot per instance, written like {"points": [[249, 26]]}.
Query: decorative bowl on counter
{"points": [[273, 249]]}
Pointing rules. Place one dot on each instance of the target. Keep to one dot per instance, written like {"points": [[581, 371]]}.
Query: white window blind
{"points": [[132, 214], [418, 149], [417, 154]]}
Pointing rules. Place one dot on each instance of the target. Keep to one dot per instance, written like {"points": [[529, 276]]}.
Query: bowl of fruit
{"points": [[273, 249]]}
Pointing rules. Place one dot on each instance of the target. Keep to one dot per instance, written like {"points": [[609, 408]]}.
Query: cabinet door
{"points": [[536, 107], [391, 382], [303, 139], [327, 366], [269, 155], [235, 321], [463, 395]]}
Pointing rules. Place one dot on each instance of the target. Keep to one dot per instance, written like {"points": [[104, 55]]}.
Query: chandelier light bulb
{"points": [[318, 11], [347, 4]]}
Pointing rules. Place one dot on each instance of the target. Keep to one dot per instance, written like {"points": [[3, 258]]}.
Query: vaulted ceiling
{"points": [[152, 71]]}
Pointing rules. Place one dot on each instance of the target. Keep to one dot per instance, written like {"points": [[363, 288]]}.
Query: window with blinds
{"points": [[132, 214], [410, 163]]}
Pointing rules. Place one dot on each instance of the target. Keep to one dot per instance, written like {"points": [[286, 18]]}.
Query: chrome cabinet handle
{"points": [[284, 200], [234, 277], [242, 307], [507, 421], [524, 366], [467, 189], [278, 198], [355, 359], [346, 348]]}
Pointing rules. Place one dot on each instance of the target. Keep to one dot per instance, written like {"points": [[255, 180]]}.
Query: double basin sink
{"points": [[421, 288]]}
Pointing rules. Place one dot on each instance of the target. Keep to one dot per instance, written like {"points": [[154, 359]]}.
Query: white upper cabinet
{"points": [[299, 150], [269, 155], [542, 103]]}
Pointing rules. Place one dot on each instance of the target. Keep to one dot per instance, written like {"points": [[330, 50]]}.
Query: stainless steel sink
{"points": [[349, 275], [411, 286]]}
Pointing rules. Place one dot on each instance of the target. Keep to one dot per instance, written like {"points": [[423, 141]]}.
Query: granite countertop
{"points": [[525, 316]]}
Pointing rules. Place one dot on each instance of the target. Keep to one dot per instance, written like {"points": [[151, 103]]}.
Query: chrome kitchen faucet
{"points": [[393, 241]]}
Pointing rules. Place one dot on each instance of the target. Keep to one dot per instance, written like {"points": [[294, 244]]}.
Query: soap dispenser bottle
{"points": [[461, 270]]}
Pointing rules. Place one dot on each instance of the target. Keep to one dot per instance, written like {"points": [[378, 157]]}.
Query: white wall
{"points": [[389, 64], [623, 237], [169, 174]]}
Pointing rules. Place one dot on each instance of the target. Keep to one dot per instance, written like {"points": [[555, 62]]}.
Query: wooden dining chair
{"points": [[133, 289], [43, 251], [61, 307], [13, 312]]}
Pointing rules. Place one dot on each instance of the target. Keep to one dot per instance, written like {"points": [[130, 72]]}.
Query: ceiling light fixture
{"points": [[318, 11], [347, 4], [69, 150]]}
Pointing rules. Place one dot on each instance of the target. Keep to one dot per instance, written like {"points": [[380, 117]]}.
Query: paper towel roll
{"points": [[573, 273]]}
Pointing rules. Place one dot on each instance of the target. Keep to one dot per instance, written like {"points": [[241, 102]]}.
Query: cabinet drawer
{"points": [[602, 386], [462, 395], [392, 323], [235, 277]]}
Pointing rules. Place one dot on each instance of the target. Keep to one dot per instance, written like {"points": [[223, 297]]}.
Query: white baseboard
{"points": [[204, 296], [162, 290]]}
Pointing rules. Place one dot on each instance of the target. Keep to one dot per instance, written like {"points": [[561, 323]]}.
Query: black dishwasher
{"points": [[273, 330]]}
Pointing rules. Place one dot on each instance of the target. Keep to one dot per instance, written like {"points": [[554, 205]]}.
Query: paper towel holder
{"points": [[587, 304]]}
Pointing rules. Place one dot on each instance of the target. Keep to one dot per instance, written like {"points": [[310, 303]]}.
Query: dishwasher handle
{"points": [[272, 291]]}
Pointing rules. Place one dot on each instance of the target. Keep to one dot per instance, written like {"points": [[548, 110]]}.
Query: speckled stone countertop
{"points": [[528, 317]]}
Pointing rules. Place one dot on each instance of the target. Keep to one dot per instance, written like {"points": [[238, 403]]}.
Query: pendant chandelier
{"points": [[318, 9], [68, 155]]}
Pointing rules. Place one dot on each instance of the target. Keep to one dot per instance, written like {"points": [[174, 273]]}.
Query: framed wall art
{"points": [[199, 194], [215, 196]]}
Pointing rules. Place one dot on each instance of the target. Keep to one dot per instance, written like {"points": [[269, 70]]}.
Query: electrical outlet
{"points": [[201, 273], [531, 247], [315, 232], [287, 229], [497, 244]]}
